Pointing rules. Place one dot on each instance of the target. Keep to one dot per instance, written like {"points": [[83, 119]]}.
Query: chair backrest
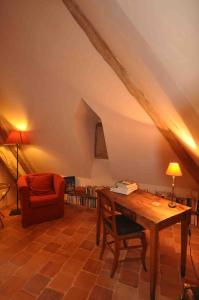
{"points": [[108, 214], [40, 183]]}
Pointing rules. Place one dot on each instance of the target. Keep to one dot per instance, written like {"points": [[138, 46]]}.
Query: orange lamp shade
{"points": [[17, 137], [174, 169]]}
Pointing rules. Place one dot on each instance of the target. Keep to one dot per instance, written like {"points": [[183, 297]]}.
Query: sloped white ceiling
{"points": [[48, 65], [157, 42]]}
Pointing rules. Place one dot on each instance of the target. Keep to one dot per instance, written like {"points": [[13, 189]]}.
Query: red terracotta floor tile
{"points": [[11, 286], [78, 237], [70, 247], [81, 254], [170, 290], [129, 278], [76, 293], [105, 280], [123, 291], [72, 266], [51, 247], [36, 284], [69, 231], [51, 268], [88, 245], [83, 230], [34, 247], [93, 266], [59, 258], [61, 239], [143, 291], [52, 231], [34, 264], [50, 294], [95, 253], [44, 238], [100, 293], [21, 295], [62, 282], [6, 270], [85, 280], [21, 258]]}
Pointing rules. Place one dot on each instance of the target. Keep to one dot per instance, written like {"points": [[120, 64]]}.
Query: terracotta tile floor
{"points": [[59, 260]]}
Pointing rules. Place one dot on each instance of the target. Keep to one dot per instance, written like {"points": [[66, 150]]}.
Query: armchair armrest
{"points": [[22, 183], [59, 185], [23, 191]]}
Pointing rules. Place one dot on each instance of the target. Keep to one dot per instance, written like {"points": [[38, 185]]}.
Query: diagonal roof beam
{"points": [[8, 154], [104, 50]]}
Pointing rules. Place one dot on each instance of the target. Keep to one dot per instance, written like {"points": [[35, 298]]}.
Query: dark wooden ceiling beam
{"points": [[104, 50]]}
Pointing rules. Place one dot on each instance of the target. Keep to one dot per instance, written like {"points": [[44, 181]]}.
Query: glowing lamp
{"points": [[17, 138], [173, 170]]}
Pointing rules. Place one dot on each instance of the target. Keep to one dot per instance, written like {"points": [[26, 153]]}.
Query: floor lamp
{"points": [[17, 138], [173, 170]]}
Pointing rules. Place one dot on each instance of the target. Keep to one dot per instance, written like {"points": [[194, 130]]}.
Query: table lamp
{"points": [[17, 137], [173, 170]]}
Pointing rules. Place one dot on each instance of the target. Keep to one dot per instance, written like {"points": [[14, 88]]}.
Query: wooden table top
{"points": [[142, 203]]}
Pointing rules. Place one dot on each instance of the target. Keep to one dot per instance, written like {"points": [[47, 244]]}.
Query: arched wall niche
{"points": [[97, 170]]}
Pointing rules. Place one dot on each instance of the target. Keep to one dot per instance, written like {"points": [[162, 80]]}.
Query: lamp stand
{"points": [[16, 211], [172, 203]]}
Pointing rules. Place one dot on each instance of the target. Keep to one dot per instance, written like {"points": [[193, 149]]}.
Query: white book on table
{"points": [[121, 190], [135, 187], [126, 184]]}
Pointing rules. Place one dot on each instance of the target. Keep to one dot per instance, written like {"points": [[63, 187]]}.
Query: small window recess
{"points": [[100, 144]]}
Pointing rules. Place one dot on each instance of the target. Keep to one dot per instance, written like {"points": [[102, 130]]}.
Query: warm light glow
{"points": [[187, 139], [174, 169], [182, 132], [21, 126]]}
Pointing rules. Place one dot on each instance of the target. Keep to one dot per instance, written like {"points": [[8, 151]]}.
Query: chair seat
{"points": [[125, 225], [43, 200]]}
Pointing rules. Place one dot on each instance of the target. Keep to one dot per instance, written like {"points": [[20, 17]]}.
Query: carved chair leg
{"points": [[103, 242], [144, 248], [116, 258]]}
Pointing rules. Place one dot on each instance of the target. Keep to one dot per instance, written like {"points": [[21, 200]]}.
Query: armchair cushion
{"points": [[40, 185], [43, 200]]}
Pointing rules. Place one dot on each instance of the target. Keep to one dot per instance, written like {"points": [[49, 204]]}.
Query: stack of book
{"points": [[125, 187]]}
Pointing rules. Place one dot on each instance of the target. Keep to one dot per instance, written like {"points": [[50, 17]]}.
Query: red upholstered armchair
{"points": [[41, 197]]}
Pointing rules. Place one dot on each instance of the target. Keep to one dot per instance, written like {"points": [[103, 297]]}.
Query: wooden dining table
{"points": [[153, 213]]}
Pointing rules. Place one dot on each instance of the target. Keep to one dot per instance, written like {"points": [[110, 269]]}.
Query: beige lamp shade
{"points": [[174, 169]]}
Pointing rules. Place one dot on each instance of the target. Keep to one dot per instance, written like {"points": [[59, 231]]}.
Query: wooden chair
{"points": [[121, 228]]}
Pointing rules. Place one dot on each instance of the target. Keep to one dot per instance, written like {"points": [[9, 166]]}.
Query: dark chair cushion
{"points": [[125, 225]]}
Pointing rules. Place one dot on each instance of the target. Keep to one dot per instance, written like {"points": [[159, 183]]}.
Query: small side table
{"points": [[4, 189]]}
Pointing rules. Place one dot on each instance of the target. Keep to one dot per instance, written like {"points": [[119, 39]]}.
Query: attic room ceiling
{"points": [[147, 53], [48, 65]]}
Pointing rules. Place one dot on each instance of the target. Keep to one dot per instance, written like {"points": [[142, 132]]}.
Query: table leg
{"points": [[153, 260], [98, 225], [185, 221]]}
